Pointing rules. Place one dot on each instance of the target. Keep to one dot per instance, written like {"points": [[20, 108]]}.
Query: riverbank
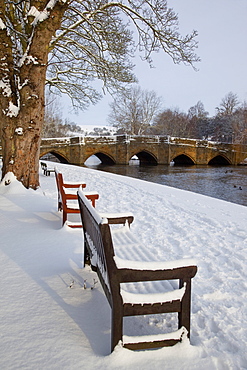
{"points": [[50, 321]]}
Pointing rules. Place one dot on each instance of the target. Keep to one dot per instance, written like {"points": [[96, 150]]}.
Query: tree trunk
{"points": [[22, 133], [22, 85]]}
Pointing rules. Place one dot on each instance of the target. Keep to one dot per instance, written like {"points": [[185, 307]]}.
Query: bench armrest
{"points": [[72, 193], [133, 271], [118, 218], [73, 185]]}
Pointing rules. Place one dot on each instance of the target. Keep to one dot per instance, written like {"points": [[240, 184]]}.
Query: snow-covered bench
{"points": [[102, 243], [67, 197], [47, 171]]}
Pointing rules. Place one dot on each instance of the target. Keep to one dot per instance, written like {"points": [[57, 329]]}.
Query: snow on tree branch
{"points": [[40, 16], [2, 25]]}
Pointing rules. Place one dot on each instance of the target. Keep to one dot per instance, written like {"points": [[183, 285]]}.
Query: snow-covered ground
{"points": [[48, 319]]}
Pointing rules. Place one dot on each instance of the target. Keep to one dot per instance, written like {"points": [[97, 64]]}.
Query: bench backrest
{"points": [[61, 194], [97, 239], [60, 186]]}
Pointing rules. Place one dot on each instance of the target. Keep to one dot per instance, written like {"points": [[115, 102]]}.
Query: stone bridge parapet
{"points": [[120, 149]]}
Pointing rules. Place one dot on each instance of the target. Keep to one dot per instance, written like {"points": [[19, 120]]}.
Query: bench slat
{"points": [[154, 341]]}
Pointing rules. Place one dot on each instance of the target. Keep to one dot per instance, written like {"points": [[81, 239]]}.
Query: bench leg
{"points": [[117, 320], [116, 329], [184, 315], [64, 217], [86, 255]]}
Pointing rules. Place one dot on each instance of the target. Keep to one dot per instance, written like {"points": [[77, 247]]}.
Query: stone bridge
{"points": [[148, 149]]}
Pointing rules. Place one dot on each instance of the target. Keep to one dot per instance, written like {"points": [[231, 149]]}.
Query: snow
{"points": [[177, 335], [13, 110], [33, 12], [5, 86], [19, 131], [153, 266], [43, 15], [30, 59], [139, 298], [50, 321], [2, 25]]}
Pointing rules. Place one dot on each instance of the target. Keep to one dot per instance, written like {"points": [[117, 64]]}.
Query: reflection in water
{"points": [[226, 182]]}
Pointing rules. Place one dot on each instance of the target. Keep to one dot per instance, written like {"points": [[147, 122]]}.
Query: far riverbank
{"points": [[225, 182]]}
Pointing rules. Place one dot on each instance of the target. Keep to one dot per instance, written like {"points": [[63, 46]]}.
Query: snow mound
{"points": [[10, 185]]}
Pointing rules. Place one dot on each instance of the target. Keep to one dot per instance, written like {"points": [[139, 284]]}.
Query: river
{"points": [[226, 182]]}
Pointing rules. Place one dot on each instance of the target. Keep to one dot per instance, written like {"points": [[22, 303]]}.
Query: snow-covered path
{"points": [[50, 321]]}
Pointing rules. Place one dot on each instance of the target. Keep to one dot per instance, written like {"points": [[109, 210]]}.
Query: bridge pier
{"points": [[122, 151]]}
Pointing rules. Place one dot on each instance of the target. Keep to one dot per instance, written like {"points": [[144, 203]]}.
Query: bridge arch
{"points": [[60, 157], [219, 160], [104, 158], [183, 160], [145, 157]]}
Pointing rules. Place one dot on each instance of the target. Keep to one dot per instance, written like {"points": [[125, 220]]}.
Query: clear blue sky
{"points": [[222, 28]]}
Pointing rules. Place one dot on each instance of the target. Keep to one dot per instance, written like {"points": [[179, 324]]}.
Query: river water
{"points": [[226, 182]]}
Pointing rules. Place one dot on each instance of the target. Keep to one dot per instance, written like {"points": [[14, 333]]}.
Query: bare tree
{"points": [[52, 116], [133, 111], [69, 44], [197, 111], [197, 116], [239, 125], [228, 105], [171, 122]]}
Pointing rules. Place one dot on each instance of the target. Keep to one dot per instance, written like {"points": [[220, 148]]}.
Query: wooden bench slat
{"points": [[154, 341], [132, 275], [118, 218], [151, 345], [148, 309]]}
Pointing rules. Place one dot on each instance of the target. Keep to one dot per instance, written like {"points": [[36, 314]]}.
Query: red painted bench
{"points": [[68, 192]]}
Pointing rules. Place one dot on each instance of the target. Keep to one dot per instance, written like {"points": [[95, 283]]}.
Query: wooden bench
{"points": [[68, 192], [47, 171], [101, 244]]}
